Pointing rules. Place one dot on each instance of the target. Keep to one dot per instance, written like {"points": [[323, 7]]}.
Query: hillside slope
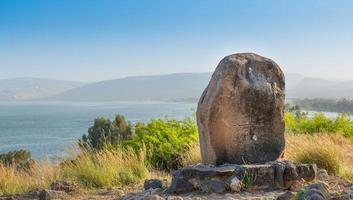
{"points": [[22, 89], [140, 88]]}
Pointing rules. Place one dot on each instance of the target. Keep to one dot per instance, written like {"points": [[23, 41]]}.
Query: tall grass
{"points": [[105, 168], [12, 181], [332, 152], [192, 156]]}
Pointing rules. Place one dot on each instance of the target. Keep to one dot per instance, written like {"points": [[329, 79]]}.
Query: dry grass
{"points": [[193, 156], [332, 152], [107, 168], [115, 168], [12, 181]]}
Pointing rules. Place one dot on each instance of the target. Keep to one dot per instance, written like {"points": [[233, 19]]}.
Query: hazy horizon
{"points": [[130, 76], [91, 41]]}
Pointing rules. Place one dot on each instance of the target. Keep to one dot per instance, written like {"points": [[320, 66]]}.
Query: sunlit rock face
{"points": [[240, 114]]}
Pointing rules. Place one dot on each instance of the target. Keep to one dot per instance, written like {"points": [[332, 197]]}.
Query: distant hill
{"points": [[292, 80], [321, 88], [140, 88], [189, 86], [22, 89], [170, 87]]}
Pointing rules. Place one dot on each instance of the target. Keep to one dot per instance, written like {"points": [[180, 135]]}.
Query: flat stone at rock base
{"points": [[270, 176]]}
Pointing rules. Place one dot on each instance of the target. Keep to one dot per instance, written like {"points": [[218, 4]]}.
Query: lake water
{"points": [[46, 129]]}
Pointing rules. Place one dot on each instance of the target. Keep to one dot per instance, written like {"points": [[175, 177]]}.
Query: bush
{"points": [[19, 159], [319, 123], [106, 134], [166, 141]]}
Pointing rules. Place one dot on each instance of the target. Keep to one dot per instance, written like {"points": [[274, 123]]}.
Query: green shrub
{"points": [[20, 159], [107, 134], [319, 123], [166, 141]]}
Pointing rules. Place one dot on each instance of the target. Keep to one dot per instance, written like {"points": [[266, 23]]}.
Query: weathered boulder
{"points": [[240, 113]]}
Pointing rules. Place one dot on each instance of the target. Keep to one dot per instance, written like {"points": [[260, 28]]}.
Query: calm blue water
{"points": [[46, 129]]}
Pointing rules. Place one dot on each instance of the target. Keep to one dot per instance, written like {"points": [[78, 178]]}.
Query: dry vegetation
{"points": [[106, 168], [12, 181], [332, 152]]}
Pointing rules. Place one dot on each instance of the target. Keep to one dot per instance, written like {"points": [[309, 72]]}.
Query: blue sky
{"points": [[92, 40]]}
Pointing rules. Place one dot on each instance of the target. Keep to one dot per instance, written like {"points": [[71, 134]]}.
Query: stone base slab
{"points": [[276, 175]]}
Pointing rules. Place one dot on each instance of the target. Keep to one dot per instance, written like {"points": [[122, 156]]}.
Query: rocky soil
{"points": [[324, 187]]}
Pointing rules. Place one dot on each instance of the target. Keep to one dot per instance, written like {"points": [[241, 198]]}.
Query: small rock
{"points": [[174, 198], [179, 184], [214, 186], [286, 196], [349, 192], [153, 184], [66, 186], [154, 197], [235, 184], [318, 191], [52, 194], [296, 186], [322, 175], [153, 191], [345, 195]]}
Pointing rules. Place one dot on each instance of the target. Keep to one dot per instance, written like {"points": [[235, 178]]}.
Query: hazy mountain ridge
{"points": [[321, 88], [187, 86], [140, 88], [24, 89], [170, 87]]}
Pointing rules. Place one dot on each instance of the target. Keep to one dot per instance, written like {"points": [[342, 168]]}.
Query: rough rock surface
{"points": [[318, 191], [52, 194], [66, 186], [240, 113], [270, 176], [153, 184]]}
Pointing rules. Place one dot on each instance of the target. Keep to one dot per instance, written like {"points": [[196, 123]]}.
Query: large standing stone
{"points": [[240, 113]]}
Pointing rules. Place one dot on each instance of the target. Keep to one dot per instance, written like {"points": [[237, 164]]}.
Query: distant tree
{"points": [[295, 109], [107, 134], [21, 159], [124, 127], [329, 105]]}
